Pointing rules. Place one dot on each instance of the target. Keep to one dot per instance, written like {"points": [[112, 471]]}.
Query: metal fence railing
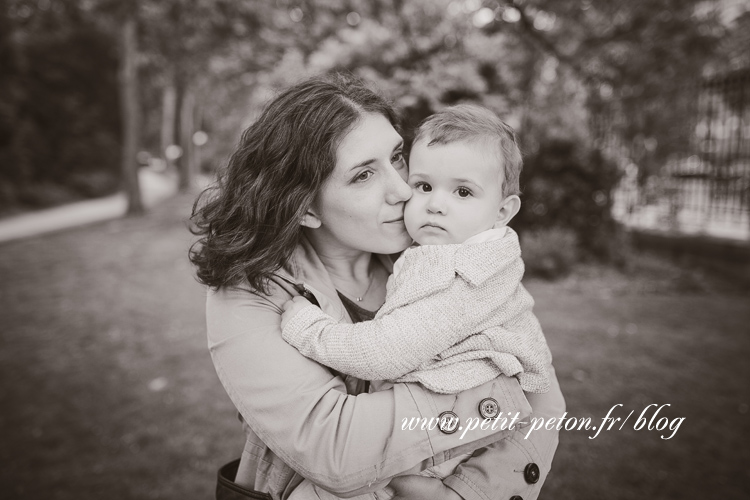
{"points": [[691, 174]]}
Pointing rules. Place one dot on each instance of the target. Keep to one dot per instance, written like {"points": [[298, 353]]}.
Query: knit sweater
{"points": [[455, 317]]}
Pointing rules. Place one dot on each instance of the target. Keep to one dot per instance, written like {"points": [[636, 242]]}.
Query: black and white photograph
{"points": [[374, 249]]}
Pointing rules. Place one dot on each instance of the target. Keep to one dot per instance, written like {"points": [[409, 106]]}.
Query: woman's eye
{"points": [[463, 192], [398, 157], [363, 176], [423, 187]]}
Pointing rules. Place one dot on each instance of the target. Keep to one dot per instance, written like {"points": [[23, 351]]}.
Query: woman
{"points": [[312, 203]]}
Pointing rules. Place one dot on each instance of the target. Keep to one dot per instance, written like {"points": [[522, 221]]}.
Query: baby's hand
{"points": [[292, 307]]}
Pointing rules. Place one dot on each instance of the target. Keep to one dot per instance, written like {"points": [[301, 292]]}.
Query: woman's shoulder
{"points": [[278, 285], [244, 311], [244, 295]]}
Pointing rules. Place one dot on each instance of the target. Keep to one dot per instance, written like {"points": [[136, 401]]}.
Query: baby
{"points": [[455, 315]]}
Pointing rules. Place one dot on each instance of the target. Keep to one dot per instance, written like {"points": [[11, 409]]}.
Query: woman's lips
{"points": [[400, 219]]}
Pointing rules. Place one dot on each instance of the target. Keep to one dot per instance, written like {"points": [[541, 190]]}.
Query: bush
{"points": [[93, 185], [44, 195], [568, 186], [549, 253]]}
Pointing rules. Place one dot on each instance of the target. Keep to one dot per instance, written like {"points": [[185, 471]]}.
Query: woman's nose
{"points": [[397, 190]]}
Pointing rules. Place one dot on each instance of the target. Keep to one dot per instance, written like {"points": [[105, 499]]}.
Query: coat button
{"points": [[516, 497], [488, 408], [531, 473], [448, 422]]}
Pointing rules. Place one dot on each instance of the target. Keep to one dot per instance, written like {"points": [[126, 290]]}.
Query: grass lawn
{"points": [[107, 389]]}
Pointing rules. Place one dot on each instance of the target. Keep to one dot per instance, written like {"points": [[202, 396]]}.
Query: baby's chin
{"points": [[434, 239], [426, 235]]}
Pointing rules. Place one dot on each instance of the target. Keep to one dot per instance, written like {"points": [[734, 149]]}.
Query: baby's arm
{"points": [[387, 347], [292, 307]]}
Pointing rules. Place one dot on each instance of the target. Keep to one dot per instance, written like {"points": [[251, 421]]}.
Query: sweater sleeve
{"points": [[412, 329], [390, 345]]}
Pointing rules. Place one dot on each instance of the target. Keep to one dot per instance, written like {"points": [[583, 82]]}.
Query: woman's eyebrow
{"points": [[363, 163]]}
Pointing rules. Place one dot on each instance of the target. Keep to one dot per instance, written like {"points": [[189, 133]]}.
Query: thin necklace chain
{"points": [[360, 298]]}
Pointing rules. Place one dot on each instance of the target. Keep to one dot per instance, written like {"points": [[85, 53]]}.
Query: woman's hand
{"points": [[421, 488], [292, 307]]}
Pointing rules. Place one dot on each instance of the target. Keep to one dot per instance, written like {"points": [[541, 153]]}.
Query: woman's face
{"points": [[361, 205]]}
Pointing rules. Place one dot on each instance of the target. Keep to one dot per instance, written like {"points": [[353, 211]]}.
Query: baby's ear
{"points": [[510, 207]]}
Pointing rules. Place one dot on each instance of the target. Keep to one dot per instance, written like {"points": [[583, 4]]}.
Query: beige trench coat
{"points": [[303, 421]]}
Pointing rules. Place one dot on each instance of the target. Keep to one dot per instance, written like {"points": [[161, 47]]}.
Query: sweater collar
{"points": [[475, 263]]}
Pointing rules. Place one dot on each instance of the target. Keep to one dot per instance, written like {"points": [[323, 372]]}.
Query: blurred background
{"points": [[634, 121]]}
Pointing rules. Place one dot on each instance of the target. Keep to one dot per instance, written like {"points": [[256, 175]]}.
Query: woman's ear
{"points": [[310, 220], [510, 207]]}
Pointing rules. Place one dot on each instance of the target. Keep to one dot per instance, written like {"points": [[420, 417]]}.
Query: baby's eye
{"points": [[363, 176], [463, 192], [423, 187]]}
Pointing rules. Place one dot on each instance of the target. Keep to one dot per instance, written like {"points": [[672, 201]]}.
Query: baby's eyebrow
{"points": [[419, 175], [468, 181]]}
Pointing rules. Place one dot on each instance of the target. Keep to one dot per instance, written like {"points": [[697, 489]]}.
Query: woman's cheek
{"points": [[397, 243], [411, 212]]}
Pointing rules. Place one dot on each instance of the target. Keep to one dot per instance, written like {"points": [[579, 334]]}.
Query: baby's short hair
{"points": [[475, 123]]}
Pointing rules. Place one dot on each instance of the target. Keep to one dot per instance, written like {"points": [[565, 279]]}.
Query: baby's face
{"points": [[456, 191]]}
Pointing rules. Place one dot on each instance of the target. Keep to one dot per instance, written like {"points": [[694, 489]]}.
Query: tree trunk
{"points": [[168, 118], [187, 128], [197, 125], [130, 113]]}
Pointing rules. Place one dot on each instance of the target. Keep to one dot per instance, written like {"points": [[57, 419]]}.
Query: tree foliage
{"points": [[60, 117], [558, 71]]}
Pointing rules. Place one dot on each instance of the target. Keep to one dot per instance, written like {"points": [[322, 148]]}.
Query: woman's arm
{"points": [[302, 412], [502, 469]]}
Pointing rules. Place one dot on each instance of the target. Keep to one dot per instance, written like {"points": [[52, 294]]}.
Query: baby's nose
{"points": [[436, 204]]}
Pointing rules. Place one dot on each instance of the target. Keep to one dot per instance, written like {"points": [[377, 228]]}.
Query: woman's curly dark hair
{"points": [[249, 220]]}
